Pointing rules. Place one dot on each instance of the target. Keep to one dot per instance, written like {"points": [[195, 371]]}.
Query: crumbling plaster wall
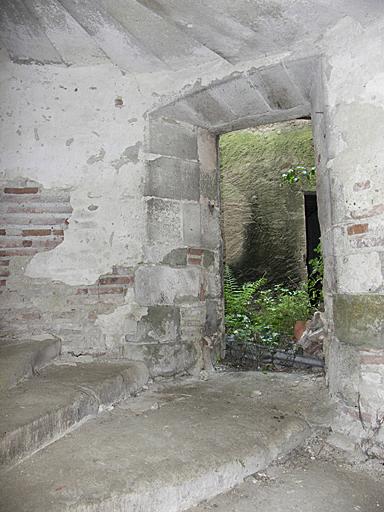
{"points": [[73, 231]]}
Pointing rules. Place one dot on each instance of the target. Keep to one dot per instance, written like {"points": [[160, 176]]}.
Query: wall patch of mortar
{"points": [[121, 322], [98, 157], [130, 154]]}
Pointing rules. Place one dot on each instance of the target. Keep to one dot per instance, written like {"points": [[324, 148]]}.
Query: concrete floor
{"points": [[171, 447], [307, 482]]}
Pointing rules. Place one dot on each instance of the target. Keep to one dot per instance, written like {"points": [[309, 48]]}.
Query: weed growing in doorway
{"points": [[315, 280], [261, 313], [300, 175]]}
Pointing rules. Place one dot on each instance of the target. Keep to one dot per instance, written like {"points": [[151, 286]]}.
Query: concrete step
{"points": [[18, 361], [42, 409], [171, 447]]}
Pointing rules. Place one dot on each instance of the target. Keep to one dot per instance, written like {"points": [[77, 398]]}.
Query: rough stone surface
{"points": [[168, 450], [316, 478], [359, 319], [44, 408], [277, 88], [172, 179], [164, 221], [163, 285], [25, 359], [171, 138]]}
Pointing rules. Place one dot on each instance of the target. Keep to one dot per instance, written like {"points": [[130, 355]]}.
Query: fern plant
{"points": [[264, 314], [239, 304]]}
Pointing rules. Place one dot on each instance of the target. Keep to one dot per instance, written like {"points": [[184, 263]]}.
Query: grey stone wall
{"points": [[179, 281], [350, 161]]}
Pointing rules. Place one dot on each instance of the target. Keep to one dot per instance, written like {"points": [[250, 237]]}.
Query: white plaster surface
{"points": [[122, 321], [359, 273], [60, 128]]}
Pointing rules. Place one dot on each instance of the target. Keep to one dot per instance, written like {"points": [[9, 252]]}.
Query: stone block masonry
{"points": [[177, 280]]}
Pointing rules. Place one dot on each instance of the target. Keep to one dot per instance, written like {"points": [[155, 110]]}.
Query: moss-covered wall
{"points": [[263, 218]]}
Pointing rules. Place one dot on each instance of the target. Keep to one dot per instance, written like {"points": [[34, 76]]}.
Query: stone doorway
{"points": [[184, 132]]}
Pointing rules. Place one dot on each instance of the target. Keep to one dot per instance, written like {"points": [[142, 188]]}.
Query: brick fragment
{"points": [[26, 251], [372, 359], [111, 290], [82, 291], [21, 190], [34, 315], [357, 229], [27, 243], [354, 413], [116, 280], [195, 252], [36, 232], [3, 282], [3, 232], [101, 290], [361, 185], [42, 243], [194, 261]]}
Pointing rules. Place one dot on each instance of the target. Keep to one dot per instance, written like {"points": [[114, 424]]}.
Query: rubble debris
{"points": [[312, 338]]}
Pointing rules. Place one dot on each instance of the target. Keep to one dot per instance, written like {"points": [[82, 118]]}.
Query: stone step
{"points": [[171, 447], [42, 409], [18, 361]]}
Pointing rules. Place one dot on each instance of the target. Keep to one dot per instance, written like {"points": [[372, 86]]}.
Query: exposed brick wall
{"points": [[116, 283], [34, 307], [32, 220]]}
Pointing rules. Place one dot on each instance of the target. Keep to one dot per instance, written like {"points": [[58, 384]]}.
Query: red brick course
{"points": [[357, 229], [374, 359], [117, 280], [21, 190], [36, 232], [195, 252], [194, 261]]}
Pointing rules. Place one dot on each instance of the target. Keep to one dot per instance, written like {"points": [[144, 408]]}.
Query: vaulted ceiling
{"points": [[150, 35]]}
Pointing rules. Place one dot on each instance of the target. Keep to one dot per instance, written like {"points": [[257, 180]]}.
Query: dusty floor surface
{"points": [[172, 446], [315, 478]]}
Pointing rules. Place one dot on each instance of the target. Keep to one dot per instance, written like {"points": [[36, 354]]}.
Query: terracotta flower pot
{"points": [[299, 328]]}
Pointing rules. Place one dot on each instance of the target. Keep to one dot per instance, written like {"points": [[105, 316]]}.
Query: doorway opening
{"points": [[312, 226], [271, 235]]}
